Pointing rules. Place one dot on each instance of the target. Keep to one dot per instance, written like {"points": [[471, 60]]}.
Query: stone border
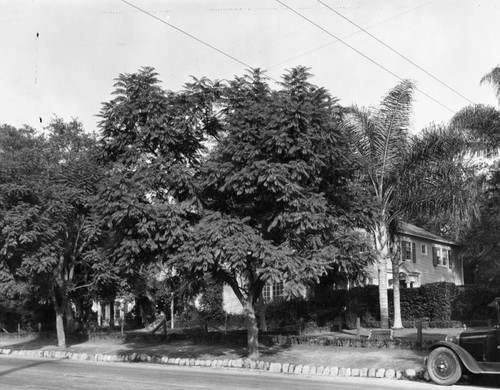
{"points": [[247, 363]]}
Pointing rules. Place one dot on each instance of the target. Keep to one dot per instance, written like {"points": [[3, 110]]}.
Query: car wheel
{"points": [[444, 367]]}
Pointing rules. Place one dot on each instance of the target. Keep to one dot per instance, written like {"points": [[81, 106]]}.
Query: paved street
{"points": [[19, 373]]}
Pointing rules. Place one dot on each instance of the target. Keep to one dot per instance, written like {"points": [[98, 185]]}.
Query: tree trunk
{"points": [[70, 318], [252, 329], [111, 312], [381, 246], [398, 323], [61, 336], [172, 312], [262, 313]]}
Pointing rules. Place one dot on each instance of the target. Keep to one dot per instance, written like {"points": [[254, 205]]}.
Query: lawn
{"points": [[398, 359]]}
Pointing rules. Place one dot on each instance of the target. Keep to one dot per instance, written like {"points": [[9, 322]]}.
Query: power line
{"points": [[189, 35], [354, 33], [396, 52], [363, 55]]}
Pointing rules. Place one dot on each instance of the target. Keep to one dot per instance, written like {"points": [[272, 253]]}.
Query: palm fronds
{"points": [[493, 77]]}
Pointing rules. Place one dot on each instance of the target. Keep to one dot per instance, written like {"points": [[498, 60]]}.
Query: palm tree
{"points": [[493, 77], [380, 138], [481, 123], [405, 175]]}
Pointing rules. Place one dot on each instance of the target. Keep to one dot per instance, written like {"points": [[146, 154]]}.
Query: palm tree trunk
{"points": [[398, 323], [381, 236]]}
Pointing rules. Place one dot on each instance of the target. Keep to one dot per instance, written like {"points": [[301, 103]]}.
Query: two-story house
{"points": [[424, 257]]}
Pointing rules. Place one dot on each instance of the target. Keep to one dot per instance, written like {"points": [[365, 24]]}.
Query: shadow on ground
{"points": [[398, 359], [175, 349]]}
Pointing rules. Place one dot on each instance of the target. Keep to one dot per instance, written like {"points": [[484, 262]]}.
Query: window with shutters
{"points": [[444, 257], [441, 256], [408, 251]]}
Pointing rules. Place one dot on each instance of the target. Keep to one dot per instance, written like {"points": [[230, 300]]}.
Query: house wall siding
{"points": [[230, 302], [420, 267], [424, 264]]}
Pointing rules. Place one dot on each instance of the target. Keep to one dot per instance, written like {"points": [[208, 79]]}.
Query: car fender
{"points": [[465, 357]]}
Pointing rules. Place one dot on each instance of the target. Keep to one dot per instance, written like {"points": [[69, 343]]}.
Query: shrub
{"points": [[282, 313], [438, 304], [471, 303], [211, 303]]}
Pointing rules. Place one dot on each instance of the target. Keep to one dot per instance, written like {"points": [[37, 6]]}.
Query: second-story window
{"points": [[441, 256], [408, 251], [444, 257], [423, 249]]}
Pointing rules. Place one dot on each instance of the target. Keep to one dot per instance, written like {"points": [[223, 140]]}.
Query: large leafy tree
{"points": [[46, 184], [274, 193], [266, 203], [480, 124], [482, 251], [406, 175], [152, 142]]}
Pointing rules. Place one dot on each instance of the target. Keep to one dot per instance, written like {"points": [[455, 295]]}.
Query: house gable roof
{"points": [[412, 230]]}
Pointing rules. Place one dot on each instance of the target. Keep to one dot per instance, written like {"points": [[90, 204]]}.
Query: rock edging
{"points": [[246, 363]]}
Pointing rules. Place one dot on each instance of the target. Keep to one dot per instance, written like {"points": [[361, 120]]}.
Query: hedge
{"points": [[438, 304]]}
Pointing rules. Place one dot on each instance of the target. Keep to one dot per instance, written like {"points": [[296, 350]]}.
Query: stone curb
{"points": [[246, 363]]}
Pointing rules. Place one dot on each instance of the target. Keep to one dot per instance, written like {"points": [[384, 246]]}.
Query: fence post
{"points": [[39, 327], [358, 327], [419, 335]]}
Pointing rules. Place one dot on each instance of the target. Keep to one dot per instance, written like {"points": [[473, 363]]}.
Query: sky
{"points": [[60, 57]]}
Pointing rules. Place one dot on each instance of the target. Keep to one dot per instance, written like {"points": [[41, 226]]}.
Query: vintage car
{"points": [[471, 351]]}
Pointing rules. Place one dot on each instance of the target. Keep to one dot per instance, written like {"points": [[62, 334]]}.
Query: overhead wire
{"points": [[363, 55], [395, 51], [354, 33], [188, 34]]}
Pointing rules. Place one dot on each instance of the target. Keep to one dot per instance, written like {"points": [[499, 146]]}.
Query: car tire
{"points": [[444, 367]]}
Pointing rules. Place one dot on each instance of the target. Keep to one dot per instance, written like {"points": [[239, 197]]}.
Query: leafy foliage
{"points": [[274, 191], [409, 177], [46, 221], [482, 252], [270, 187], [152, 140], [268, 201]]}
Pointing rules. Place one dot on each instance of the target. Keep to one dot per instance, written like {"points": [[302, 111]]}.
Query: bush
{"points": [[438, 298], [211, 308], [471, 303], [440, 304], [413, 304], [283, 313]]}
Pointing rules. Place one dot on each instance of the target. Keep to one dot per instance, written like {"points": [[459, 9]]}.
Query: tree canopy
{"points": [[268, 201], [46, 184]]}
